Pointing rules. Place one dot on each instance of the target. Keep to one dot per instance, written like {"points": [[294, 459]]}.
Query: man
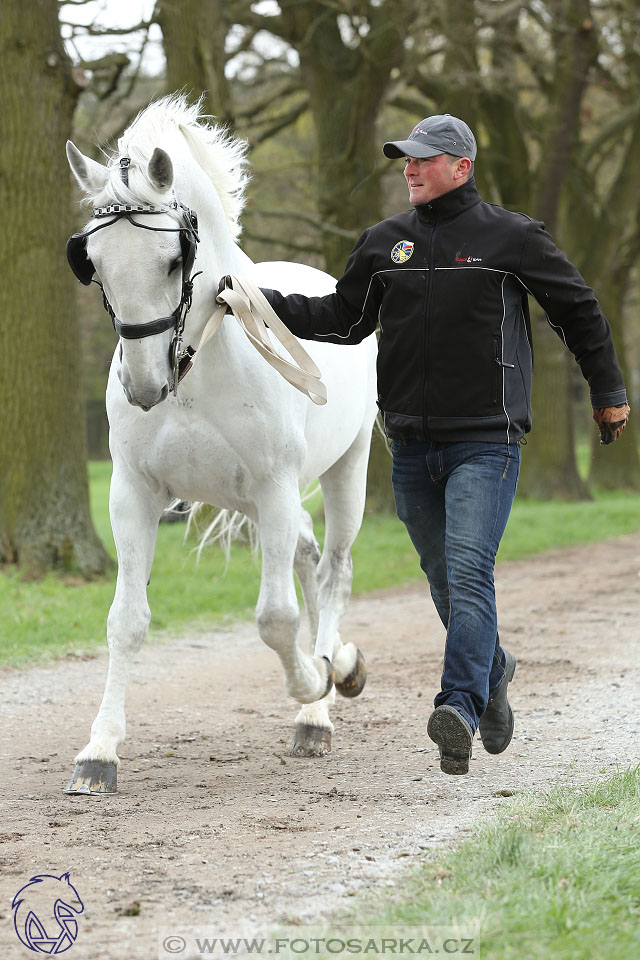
{"points": [[448, 282]]}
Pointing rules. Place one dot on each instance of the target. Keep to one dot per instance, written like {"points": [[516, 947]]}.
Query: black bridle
{"points": [[83, 268]]}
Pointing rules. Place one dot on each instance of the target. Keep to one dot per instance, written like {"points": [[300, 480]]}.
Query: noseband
{"points": [[83, 268]]}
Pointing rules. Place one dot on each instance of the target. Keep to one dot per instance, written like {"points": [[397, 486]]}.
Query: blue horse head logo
{"points": [[44, 914]]}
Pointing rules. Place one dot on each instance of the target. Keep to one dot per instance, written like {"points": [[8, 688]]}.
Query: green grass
{"points": [[62, 617], [551, 876]]}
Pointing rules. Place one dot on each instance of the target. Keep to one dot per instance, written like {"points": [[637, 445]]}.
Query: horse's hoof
{"points": [[93, 778], [330, 678], [353, 683], [311, 741]]}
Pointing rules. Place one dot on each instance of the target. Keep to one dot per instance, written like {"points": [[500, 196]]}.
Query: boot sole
{"points": [[454, 738]]}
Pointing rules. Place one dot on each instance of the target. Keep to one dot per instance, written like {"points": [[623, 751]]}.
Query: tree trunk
{"points": [[610, 261], [44, 502], [194, 34], [347, 85], [380, 497], [617, 466], [549, 470]]}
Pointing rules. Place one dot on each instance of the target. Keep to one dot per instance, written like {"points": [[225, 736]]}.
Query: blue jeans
{"points": [[455, 500]]}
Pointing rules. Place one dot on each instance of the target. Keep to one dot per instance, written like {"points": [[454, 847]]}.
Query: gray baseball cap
{"points": [[432, 136]]}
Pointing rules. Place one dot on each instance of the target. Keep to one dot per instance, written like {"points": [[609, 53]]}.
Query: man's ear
{"points": [[463, 167]]}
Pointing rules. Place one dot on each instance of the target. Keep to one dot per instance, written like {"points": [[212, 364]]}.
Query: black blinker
{"points": [[78, 259]]}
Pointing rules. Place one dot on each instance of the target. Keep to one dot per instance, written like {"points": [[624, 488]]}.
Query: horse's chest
{"points": [[200, 466], [193, 462]]}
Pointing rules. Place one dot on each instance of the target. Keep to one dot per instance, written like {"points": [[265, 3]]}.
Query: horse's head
{"points": [[141, 244]]}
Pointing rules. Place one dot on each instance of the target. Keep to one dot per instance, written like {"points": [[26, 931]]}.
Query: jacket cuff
{"points": [[611, 399]]}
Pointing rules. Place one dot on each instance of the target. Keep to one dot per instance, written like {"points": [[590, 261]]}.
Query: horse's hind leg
{"points": [[313, 727], [135, 512], [344, 489]]}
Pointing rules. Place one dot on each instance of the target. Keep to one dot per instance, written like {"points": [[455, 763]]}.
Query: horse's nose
{"points": [[144, 401]]}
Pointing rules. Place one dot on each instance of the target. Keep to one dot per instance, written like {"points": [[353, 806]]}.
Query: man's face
{"points": [[431, 177]]}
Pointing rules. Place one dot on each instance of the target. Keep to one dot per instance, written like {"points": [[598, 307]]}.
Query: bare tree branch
{"points": [[116, 60], [91, 31], [260, 105], [287, 244], [322, 226], [281, 123]]}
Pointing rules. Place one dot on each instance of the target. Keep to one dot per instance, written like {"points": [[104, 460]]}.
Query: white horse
{"points": [[234, 433]]}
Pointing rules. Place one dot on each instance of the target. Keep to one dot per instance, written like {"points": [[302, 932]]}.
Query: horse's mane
{"points": [[221, 156]]}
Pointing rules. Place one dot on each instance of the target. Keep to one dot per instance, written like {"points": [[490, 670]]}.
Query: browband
{"points": [[132, 208]]}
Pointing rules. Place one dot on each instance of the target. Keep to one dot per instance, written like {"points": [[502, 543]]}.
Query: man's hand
{"points": [[611, 421], [225, 284]]}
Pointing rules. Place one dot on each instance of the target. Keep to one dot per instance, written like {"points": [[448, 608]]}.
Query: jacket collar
{"points": [[450, 204]]}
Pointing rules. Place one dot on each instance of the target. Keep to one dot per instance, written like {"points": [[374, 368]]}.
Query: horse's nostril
{"points": [[163, 393]]}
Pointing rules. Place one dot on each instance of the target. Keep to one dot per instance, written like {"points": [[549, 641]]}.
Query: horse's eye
{"points": [[175, 264]]}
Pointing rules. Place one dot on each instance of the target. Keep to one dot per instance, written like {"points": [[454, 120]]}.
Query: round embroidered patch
{"points": [[402, 251]]}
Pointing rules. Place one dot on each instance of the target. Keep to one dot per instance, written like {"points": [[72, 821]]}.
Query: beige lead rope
{"points": [[253, 312]]}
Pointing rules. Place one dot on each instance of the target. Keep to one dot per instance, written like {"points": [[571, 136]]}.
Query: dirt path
{"points": [[216, 825]]}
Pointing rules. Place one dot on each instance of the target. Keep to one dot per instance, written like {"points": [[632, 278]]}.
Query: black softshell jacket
{"points": [[448, 283]]}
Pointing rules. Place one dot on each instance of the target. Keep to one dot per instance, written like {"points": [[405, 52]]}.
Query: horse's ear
{"points": [[91, 175], [160, 169]]}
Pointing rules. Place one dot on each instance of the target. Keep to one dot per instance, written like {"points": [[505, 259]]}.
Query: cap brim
{"points": [[395, 149]]}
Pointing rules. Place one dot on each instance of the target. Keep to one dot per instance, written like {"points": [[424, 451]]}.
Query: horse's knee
{"points": [[127, 629], [277, 625]]}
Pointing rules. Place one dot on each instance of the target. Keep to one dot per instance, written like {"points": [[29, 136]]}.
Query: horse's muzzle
{"points": [[144, 401]]}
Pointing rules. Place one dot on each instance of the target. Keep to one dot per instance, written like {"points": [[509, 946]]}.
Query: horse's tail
{"points": [[221, 527], [213, 525], [378, 425]]}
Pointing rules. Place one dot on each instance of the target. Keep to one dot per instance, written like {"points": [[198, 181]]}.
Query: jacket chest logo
{"points": [[401, 252]]}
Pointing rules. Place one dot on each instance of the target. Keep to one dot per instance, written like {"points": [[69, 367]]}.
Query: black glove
{"points": [[611, 421]]}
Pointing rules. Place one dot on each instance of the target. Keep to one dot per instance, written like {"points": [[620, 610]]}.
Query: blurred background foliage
{"points": [[550, 87]]}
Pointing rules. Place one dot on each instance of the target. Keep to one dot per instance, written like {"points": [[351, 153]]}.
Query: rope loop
{"points": [[258, 319]]}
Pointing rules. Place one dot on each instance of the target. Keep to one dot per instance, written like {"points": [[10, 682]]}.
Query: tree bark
{"points": [[617, 466], [194, 34], [347, 85], [44, 502], [550, 468], [609, 263]]}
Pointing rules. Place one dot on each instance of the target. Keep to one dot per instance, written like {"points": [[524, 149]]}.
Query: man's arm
{"points": [[346, 316], [574, 313]]}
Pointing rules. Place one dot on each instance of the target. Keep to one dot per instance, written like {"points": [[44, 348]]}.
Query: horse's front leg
{"points": [[308, 678], [135, 512]]}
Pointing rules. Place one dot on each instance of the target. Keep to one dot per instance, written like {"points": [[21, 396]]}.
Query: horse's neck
{"points": [[217, 255]]}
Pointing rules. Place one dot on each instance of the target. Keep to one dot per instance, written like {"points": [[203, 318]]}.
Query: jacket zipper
{"points": [[431, 273], [499, 365], [496, 361]]}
